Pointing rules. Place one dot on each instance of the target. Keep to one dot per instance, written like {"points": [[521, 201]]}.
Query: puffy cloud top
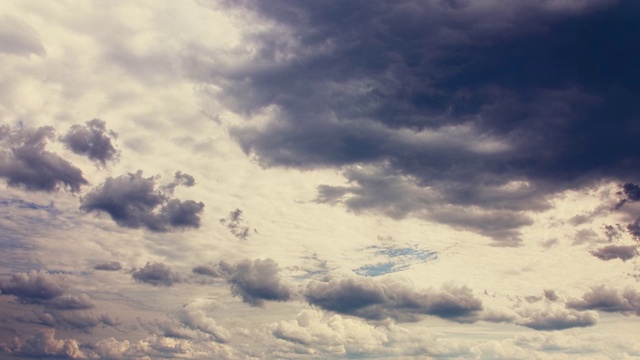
{"points": [[133, 201]]}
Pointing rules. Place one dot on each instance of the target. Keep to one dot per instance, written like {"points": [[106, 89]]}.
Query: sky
{"points": [[407, 179]]}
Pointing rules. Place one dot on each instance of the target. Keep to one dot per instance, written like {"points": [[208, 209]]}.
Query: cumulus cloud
{"points": [[25, 162], [608, 299], [109, 266], [192, 322], [490, 116], [93, 140], [33, 286], [335, 335], [156, 274], [44, 345], [255, 281], [610, 252], [133, 201], [379, 299]]}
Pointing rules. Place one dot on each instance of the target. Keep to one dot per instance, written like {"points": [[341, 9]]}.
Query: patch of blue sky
{"points": [[398, 259]]}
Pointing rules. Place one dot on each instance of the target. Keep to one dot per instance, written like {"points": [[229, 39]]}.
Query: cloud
{"points": [[109, 266], [335, 335], [236, 224], [192, 323], [74, 320], [607, 299], [70, 302], [156, 274], [19, 38], [92, 140], [494, 106], [25, 163], [610, 252], [550, 319], [380, 299], [132, 201], [255, 281], [44, 345], [33, 286], [207, 270]]}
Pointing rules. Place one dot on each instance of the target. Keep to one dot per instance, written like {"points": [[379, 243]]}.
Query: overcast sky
{"points": [[283, 179]]}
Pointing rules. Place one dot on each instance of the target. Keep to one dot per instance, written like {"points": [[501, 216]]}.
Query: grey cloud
{"points": [[93, 140], [44, 345], [19, 38], [180, 179], [236, 224], [133, 201], [551, 295], [493, 106], [382, 191], [559, 319], [610, 300], [33, 286], [631, 191], [198, 320], [109, 266], [371, 299], [70, 302], [207, 270], [75, 320], [156, 274], [25, 163], [255, 281], [610, 252]]}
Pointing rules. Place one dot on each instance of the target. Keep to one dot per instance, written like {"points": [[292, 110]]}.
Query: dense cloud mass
{"points": [[424, 172], [33, 286], [93, 140], [610, 252], [490, 105], [156, 274], [371, 299], [45, 345], [133, 201], [610, 300], [255, 281], [25, 162]]}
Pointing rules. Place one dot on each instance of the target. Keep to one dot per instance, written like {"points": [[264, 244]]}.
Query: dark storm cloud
{"points": [[24, 161], [93, 140], [607, 299], [133, 201], [372, 299], [255, 281], [610, 252], [491, 105], [156, 274], [33, 286], [110, 266]]}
